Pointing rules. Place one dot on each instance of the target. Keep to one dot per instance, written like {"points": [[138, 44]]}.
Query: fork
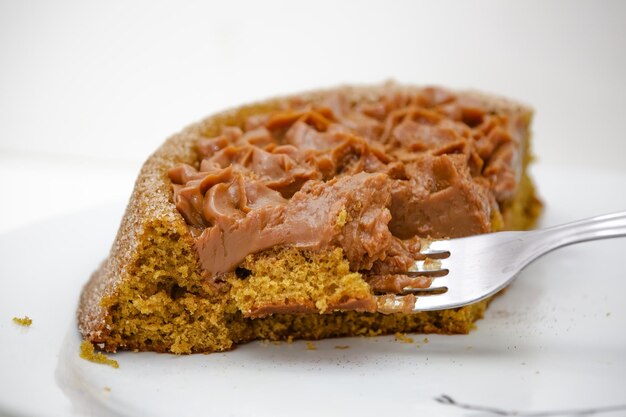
{"points": [[470, 269]]}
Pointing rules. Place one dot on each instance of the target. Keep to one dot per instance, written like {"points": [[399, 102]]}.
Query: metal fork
{"points": [[470, 269]]}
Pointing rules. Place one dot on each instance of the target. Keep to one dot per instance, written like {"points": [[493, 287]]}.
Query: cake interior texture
{"points": [[284, 219]]}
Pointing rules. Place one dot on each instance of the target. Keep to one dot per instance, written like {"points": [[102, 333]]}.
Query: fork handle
{"points": [[594, 228]]}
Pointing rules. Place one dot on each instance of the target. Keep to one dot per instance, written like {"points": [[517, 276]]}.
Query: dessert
{"points": [[282, 219]]}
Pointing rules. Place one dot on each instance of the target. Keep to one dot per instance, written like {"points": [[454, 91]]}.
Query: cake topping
{"points": [[370, 177]]}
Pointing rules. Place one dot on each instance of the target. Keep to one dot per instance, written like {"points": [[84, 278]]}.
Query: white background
{"points": [[88, 89]]}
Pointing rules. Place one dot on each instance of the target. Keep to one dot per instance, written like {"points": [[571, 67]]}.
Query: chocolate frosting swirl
{"points": [[371, 177]]}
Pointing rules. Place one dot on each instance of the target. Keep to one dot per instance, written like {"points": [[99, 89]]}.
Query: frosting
{"points": [[370, 177]]}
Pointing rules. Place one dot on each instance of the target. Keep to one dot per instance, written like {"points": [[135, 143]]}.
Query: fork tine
{"points": [[438, 286], [432, 290], [436, 248], [441, 282], [453, 297]]}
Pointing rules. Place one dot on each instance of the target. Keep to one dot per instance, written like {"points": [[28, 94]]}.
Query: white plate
{"points": [[556, 341]]}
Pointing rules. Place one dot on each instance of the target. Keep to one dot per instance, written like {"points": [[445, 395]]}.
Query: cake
{"points": [[285, 218]]}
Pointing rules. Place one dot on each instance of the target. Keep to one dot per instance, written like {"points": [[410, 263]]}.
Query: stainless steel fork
{"points": [[467, 270]]}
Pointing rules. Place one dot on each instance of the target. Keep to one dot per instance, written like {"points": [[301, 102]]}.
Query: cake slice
{"points": [[283, 219]]}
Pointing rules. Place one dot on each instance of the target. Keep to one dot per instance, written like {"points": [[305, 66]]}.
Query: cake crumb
{"points": [[310, 346], [106, 389], [24, 321], [401, 337], [432, 264], [425, 340], [290, 339], [342, 218], [88, 352], [342, 347]]}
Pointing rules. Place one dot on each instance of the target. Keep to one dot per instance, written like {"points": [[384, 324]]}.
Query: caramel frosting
{"points": [[371, 177]]}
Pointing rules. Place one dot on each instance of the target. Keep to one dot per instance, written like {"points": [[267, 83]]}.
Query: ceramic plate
{"points": [[553, 344]]}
